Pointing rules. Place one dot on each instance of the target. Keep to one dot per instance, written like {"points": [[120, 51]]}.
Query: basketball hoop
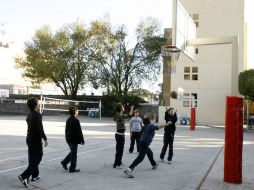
{"points": [[170, 55]]}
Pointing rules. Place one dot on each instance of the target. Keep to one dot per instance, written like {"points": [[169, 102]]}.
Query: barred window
{"points": [[190, 73]]}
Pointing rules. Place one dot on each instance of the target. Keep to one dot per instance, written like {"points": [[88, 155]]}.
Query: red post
{"points": [[233, 140], [193, 119]]}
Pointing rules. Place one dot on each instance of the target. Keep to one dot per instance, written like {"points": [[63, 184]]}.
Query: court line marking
{"points": [[13, 158], [3, 149], [209, 169], [49, 151], [13, 150], [105, 147], [11, 169]]}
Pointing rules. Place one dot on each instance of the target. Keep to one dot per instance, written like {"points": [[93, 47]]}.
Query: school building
{"points": [[208, 79]]}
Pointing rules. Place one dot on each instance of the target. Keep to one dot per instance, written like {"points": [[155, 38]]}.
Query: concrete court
{"points": [[194, 153]]}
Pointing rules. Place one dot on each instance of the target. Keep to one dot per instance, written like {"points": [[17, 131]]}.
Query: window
{"points": [[190, 99], [195, 18], [186, 99], [196, 50], [190, 73], [196, 23], [194, 73], [194, 100], [186, 73]]}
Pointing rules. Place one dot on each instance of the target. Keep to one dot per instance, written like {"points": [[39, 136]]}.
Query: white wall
{"points": [[217, 18]]}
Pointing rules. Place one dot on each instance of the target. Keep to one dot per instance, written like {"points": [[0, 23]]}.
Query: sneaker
{"points": [[64, 166], [128, 172], [162, 160], [35, 178], [169, 162], [74, 170], [24, 181], [154, 166]]}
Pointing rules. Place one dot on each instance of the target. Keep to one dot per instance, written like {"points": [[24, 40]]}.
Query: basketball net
{"points": [[171, 64], [170, 55]]}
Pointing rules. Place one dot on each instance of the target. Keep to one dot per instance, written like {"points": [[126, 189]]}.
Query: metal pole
{"points": [[247, 112], [100, 109], [166, 85], [43, 106], [193, 114], [41, 101]]}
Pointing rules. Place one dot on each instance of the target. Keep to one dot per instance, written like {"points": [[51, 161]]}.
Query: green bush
{"points": [[246, 84], [109, 103]]}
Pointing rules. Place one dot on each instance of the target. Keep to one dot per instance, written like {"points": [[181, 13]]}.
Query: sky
{"points": [[21, 18]]}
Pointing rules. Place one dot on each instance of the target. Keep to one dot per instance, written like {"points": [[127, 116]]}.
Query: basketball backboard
{"points": [[183, 29], [180, 92]]}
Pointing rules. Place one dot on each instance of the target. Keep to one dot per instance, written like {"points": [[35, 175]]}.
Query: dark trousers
{"points": [[143, 151], [135, 137], [120, 140], [167, 141], [35, 153], [72, 156]]}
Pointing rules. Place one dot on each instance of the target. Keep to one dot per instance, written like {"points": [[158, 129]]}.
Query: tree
{"points": [[61, 58], [246, 87], [122, 65], [140, 92], [145, 94], [246, 84]]}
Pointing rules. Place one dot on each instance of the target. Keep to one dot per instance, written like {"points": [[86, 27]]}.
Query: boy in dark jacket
{"points": [[35, 134], [171, 119], [73, 136], [144, 149]]}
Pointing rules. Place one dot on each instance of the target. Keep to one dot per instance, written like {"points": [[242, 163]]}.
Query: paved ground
{"points": [[194, 153]]}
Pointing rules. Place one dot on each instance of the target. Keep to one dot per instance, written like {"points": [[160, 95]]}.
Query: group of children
{"points": [[141, 130]]}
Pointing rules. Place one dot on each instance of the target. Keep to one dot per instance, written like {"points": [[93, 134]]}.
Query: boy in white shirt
{"points": [[136, 124]]}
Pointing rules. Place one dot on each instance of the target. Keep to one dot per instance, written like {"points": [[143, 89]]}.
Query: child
{"points": [[146, 139], [171, 119], [119, 135], [136, 124], [35, 134], [74, 136]]}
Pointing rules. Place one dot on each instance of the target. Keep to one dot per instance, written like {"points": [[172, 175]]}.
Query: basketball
{"points": [[173, 94]]}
